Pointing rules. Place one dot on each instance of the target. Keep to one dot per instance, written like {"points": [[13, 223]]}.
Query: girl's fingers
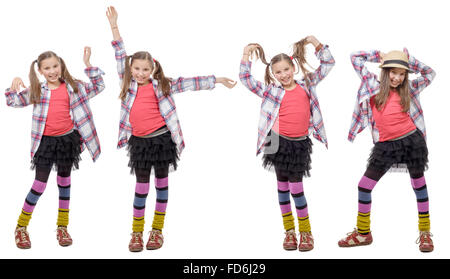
{"points": [[232, 84], [229, 82]]}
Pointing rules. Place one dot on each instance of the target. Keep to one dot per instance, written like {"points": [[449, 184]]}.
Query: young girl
{"points": [[62, 127], [391, 106], [289, 112], [149, 126]]}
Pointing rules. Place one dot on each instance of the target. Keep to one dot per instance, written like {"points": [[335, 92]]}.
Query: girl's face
{"points": [[396, 77], [50, 68], [141, 71], [284, 73]]}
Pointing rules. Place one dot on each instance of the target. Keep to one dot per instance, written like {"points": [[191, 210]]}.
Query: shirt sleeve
{"points": [[427, 75], [359, 60], [326, 64], [96, 84], [182, 84], [248, 81], [17, 100], [120, 55]]}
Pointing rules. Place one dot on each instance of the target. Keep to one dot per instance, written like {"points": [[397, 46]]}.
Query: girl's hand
{"points": [[382, 55], [112, 15], [312, 40], [87, 56], [226, 82], [16, 84], [250, 49]]}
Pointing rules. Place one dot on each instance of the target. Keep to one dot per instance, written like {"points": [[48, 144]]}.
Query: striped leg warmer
{"points": [[140, 197], [31, 200], [365, 188], [162, 195], [64, 200], [420, 189], [301, 206], [285, 205]]}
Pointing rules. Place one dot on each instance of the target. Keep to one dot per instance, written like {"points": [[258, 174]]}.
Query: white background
{"points": [[222, 203]]}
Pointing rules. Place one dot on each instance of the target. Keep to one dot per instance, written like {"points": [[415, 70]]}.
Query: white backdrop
{"points": [[222, 203]]}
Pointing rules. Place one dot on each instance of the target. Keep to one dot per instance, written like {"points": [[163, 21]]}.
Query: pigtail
{"points": [[35, 85], [259, 53], [268, 79], [299, 57], [67, 77], [126, 80], [164, 83]]}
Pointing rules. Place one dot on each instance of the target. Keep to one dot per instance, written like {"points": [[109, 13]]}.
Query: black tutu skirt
{"points": [[410, 152], [292, 157], [152, 153], [60, 152]]}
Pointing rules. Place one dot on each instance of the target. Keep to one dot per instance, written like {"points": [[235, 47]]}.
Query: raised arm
{"points": [[245, 75], [117, 43], [96, 84], [17, 100], [427, 74], [112, 15], [359, 59], [326, 60]]}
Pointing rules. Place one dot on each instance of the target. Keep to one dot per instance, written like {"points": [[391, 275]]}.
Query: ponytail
{"points": [[67, 77], [35, 85], [126, 79], [259, 53], [299, 57], [164, 83]]}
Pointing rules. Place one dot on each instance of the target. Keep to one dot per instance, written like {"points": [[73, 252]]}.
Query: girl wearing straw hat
{"points": [[391, 106]]}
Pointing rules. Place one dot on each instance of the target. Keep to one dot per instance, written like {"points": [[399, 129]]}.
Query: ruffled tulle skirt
{"points": [[152, 153], [60, 152], [410, 152], [292, 156]]}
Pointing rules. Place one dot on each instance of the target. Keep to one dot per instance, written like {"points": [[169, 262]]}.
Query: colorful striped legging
{"points": [[140, 198], [292, 185], [368, 182], [37, 189]]}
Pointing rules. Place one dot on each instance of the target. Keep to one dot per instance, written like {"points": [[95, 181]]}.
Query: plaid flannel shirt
{"points": [[272, 96], [80, 111], [370, 86], [166, 105]]}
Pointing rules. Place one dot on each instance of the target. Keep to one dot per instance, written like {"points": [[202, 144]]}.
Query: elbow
{"points": [[432, 75]]}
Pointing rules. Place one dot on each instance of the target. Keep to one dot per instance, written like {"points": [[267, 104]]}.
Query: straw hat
{"points": [[396, 59]]}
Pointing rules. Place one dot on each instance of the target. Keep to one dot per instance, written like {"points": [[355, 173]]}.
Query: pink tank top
{"points": [[145, 117], [294, 114], [391, 121], [58, 116]]}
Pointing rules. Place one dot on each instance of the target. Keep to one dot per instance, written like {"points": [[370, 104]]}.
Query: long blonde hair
{"points": [[298, 56], [164, 83], [35, 84], [385, 88]]}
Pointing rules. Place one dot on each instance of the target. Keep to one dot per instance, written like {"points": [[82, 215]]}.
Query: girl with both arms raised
{"points": [[62, 127], [289, 112], [391, 106], [150, 127]]}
